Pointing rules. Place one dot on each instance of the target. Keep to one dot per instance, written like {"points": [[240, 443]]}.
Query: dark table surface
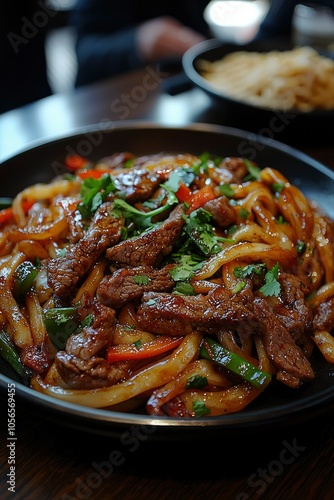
{"points": [[53, 461]]}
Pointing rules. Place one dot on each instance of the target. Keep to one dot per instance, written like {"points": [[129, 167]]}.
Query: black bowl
{"points": [[316, 124], [277, 407]]}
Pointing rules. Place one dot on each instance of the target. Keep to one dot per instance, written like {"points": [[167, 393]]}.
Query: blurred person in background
{"points": [[22, 52], [115, 37]]}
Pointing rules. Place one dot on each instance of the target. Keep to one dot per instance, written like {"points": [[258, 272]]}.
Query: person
{"points": [[22, 52], [114, 37]]}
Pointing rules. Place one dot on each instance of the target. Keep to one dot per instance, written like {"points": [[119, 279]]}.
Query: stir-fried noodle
{"points": [[187, 285]]}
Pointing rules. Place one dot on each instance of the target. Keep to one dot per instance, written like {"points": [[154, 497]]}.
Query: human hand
{"points": [[165, 37]]}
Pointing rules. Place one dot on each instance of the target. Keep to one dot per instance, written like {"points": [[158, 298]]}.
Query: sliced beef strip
{"points": [[287, 379], [93, 339], [65, 272], [280, 347], [117, 160], [136, 184], [222, 212], [293, 311], [90, 374], [323, 319], [168, 314], [151, 247], [73, 219], [230, 170], [81, 365], [121, 287]]}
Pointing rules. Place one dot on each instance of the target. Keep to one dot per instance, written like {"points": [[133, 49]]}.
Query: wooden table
{"points": [[53, 461]]}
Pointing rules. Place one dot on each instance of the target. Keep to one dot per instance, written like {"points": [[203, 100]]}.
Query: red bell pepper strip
{"points": [[92, 173], [76, 162], [147, 350], [198, 199], [6, 214], [183, 193]]}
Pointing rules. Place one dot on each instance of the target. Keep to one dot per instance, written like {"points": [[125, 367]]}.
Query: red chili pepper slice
{"points": [[92, 174], [198, 199], [147, 350], [76, 162], [183, 193], [6, 214]]}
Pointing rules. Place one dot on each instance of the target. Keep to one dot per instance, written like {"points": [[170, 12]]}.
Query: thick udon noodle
{"points": [[272, 218]]}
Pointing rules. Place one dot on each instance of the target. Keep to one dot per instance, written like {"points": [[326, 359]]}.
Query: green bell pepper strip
{"points": [[23, 278], [10, 354], [213, 351], [61, 323]]}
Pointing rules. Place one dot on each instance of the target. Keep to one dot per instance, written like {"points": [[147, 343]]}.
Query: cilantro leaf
{"points": [[278, 187], [88, 320], [253, 171], [186, 267], [300, 247], [183, 288], [226, 190], [93, 193], [200, 410], [141, 280], [200, 231], [142, 220], [245, 272], [271, 287], [179, 176], [240, 286], [243, 214], [196, 382]]}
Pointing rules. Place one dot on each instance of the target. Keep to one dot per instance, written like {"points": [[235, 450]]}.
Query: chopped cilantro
{"points": [[142, 220], [243, 214], [280, 219], [87, 321], [196, 382], [186, 266], [200, 231], [179, 176], [183, 288], [155, 203], [271, 287], [93, 193], [200, 410], [253, 171], [129, 163], [203, 163], [233, 229], [245, 272], [226, 190], [240, 286], [278, 187], [138, 344], [141, 280], [300, 247]]}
